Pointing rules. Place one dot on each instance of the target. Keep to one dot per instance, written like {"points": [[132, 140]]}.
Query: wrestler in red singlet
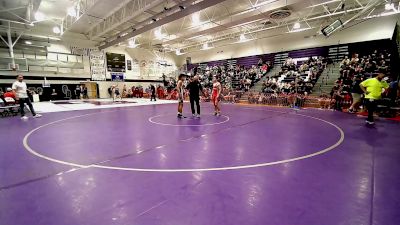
{"points": [[216, 91]]}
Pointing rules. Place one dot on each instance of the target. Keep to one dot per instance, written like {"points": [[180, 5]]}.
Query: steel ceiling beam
{"points": [[223, 24], [261, 29], [162, 14], [358, 10], [11, 9], [150, 12], [82, 8], [371, 4], [14, 21], [184, 12], [31, 9], [124, 14]]}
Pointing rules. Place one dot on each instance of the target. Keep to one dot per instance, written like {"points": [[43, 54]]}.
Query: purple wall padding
{"points": [[248, 61], [268, 57], [253, 60], [217, 63], [191, 66], [322, 51], [319, 51]]}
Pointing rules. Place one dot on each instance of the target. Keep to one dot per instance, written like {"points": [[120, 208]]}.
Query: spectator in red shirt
{"points": [[9, 94]]}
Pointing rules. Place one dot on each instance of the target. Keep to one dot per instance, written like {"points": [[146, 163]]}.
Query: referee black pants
{"points": [[22, 102], [197, 101], [153, 96], [371, 107]]}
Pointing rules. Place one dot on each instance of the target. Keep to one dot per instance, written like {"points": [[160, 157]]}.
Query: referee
{"points": [[194, 88], [373, 88]]}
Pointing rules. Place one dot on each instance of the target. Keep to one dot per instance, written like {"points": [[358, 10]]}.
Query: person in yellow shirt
{"points": [[373, 88]]}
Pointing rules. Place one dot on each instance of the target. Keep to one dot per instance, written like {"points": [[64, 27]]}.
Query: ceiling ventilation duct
{"points": [[280, 14]]}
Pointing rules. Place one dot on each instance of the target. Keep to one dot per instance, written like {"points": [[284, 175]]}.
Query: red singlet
{"points": [[215, 91]]}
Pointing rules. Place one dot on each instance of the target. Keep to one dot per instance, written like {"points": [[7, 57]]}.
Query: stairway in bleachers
{"points": [[337, 54], [280, 58], [327, 80], [332, 72], [259, 85]]}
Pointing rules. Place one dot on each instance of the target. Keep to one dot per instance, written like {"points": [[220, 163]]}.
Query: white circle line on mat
{"points": [[248, 166], [151, 120]]}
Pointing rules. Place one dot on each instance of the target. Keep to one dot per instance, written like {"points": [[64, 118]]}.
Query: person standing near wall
{"points": [[84, 92], [153, 92], [21, 94], [373, 88], [78, 92]]}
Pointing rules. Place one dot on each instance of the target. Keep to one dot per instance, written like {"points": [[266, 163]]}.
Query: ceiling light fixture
{"points": [[132, 43], [71, 11], [158, 33], [28, 42], [296, 25], [196, 19], [39, 16], [179, 52], [171, 37], [242, 38], [56, 30], [389, 6], [207, 46]]}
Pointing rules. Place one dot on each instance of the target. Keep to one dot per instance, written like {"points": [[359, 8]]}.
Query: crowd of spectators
{"points": [[234, 78], [346, 92], [296, 79], [293, 79]]}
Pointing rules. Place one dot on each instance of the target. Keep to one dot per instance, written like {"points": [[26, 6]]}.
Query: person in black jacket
{"points": [[194, 88], [153, 92]]}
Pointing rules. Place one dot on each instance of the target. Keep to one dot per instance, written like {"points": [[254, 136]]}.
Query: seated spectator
{"points": [[9, 93], [117, 94], [124, 92], [324, 101], [352, 74], [2, 100]]}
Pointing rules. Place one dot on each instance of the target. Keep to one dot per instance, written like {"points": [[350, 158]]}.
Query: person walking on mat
{"points": [[194, 88], [21, 94], [373, 88]]}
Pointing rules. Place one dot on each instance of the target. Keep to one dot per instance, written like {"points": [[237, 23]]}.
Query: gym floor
{"points": [[253, 165]]}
